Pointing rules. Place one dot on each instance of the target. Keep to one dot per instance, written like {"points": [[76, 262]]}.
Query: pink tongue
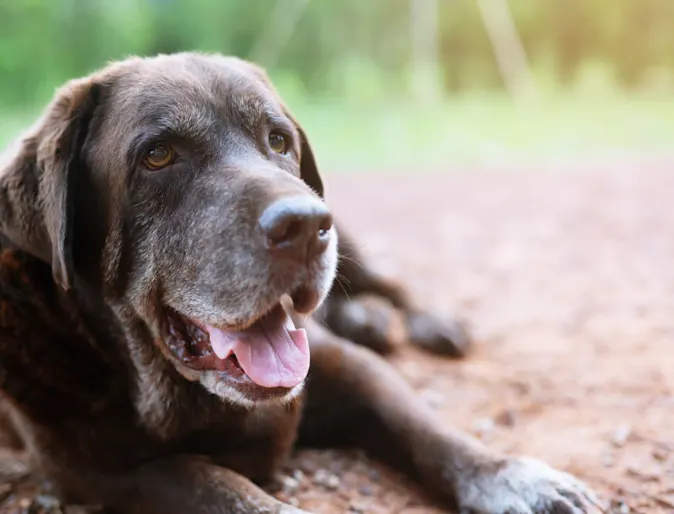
{"points": [[273, 353]]}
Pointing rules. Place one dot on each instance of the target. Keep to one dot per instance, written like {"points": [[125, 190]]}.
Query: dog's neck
{"points": [[115, 340]]}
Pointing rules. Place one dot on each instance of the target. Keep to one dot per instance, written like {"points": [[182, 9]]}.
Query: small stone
{"points": [[483, 426], [290, 484], [608, 459], [506, 418], [298, 475], [357, 508], [661, 452], [623, 508], [621, 435], [366, 490], [433, 398], [333, 482], [47, 501], [294, 502], [320, 476], [643, 473], [324, 478]]}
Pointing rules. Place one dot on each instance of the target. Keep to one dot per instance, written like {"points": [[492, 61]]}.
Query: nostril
{"points": [[324, 225], [288, 229], [297, 227]]}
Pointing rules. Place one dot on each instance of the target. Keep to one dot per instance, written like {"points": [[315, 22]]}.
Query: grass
{"points": [[398, 136], [487, 128]]}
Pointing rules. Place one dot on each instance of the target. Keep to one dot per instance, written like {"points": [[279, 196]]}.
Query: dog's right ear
{"points": [[38, 177]]}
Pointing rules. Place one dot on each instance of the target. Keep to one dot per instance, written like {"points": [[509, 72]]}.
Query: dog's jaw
{"points": [[214, 384], [266, 360], [161, 377]]}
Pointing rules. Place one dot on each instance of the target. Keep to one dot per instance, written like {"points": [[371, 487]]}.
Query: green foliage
{"points": [[340, 49], [346, 66], [486, 128]]}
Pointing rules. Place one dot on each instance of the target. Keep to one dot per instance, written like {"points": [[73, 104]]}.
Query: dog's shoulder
{"points": [[25, 290], [47, 364]]}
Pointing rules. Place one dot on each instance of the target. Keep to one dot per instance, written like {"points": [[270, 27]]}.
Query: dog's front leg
{"points": [[181, 485], [355, 398]]}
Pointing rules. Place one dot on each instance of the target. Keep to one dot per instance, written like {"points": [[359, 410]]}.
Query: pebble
{"points": [[366, 490], [661, 452], [290, 484], [506, 418], [333, 482], [622, 508], [326, 479], [47, 501], [432, 398], [483, 426], [621, 436], [608, 459], [643, 472]]}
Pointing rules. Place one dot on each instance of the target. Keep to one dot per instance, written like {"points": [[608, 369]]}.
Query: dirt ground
{"points": [[566, 273], [567, 276]]}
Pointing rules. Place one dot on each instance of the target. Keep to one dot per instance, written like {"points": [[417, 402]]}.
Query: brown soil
{"points": [[567, 275]]}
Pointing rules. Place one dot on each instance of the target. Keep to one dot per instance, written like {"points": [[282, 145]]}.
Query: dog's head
{"points": [[181, 189]]}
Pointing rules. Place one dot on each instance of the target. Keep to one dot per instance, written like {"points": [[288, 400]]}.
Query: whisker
{"points": [[343, 283]]}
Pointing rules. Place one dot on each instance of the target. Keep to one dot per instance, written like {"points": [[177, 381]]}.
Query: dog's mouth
{"points": [[271, 353]]}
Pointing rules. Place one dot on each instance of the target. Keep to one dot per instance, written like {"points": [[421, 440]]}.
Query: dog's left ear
{"points": [[37, 184]]}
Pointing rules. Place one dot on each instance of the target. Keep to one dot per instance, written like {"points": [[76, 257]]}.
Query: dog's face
{"points": [[182, 189]]}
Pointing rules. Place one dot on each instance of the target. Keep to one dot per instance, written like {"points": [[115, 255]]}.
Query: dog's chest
{"points": [[253, 443]]}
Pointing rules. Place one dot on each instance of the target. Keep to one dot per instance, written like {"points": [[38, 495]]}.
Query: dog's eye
{"points": [[159, 156], [278, 142]]}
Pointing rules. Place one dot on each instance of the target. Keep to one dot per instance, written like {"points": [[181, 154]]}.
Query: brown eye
{"points": [[278, 143], [159, 156]]}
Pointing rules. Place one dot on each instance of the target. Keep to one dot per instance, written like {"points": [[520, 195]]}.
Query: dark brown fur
{"points": [[93, 249]]}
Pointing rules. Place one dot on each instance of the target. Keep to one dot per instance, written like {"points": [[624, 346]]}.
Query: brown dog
{"points": [[153, 222]]}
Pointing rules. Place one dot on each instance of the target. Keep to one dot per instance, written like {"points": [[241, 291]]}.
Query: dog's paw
{"points": [[443, 336], [373, 321], [368, 320], [526, 486]]}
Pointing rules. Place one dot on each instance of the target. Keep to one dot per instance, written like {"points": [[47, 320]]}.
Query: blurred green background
{"points": [[388, 84]]}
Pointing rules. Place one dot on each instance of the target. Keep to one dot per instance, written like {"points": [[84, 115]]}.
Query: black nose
{"points": [[297, 227]]}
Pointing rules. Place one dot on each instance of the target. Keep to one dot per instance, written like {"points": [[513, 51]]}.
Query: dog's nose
{"points": [[297, 227]]}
